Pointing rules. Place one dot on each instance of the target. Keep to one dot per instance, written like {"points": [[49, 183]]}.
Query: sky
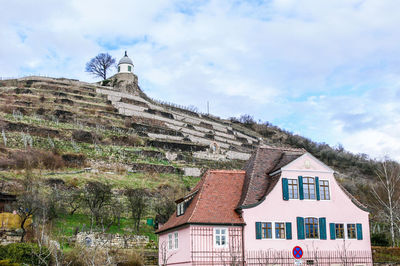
{"points": [[326, 70]]}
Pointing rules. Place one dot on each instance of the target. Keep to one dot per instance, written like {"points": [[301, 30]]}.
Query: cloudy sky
{"points": [[327, 70]]}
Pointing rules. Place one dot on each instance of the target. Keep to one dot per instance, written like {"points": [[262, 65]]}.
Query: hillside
{"points": [[108, 128], [72, 134]]}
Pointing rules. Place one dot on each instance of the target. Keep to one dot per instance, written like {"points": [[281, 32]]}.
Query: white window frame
{"points": [[329, 189], [176, 240], [170, 246], [180, 208], [226, 237], [274, 231], [297, 185], [173, 240], [347, 232], [315, 188]]}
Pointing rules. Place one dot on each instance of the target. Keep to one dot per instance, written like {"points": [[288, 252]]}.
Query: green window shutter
{"points": [[332, 231], [129, 68], [301, 192], [359, 232], [300, 228], [322, 228], [258, 230], [317, 187], [285, 189], [288, 230]]}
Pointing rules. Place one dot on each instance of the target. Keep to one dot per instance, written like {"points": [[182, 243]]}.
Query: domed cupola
{"points": [[125, 65]]}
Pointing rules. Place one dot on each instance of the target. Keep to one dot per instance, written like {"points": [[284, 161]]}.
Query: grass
{"points": [[66, 225], [117, 180]]}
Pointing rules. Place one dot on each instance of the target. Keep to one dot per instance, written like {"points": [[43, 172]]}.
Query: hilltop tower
{"points": [[125, 80], [125, 65]]}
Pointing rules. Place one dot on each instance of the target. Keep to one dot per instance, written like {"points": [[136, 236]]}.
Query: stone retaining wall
{"points": [[114, 240]]}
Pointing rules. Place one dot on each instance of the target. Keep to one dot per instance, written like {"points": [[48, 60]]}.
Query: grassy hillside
{"points": [[70, 134]]}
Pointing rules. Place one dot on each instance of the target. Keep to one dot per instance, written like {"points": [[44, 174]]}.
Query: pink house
{"points": [[284, 198]]}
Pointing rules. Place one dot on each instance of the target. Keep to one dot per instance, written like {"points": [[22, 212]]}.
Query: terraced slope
{"points": [[106, 125]]}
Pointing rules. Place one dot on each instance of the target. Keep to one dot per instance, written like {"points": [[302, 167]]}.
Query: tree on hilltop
{"points": [[100, 64]]}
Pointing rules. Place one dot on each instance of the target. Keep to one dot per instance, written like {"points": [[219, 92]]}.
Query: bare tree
{"points": [[138, 202], [164, 255], [97, 196], [31, 202], [386, 193], [100, 64]]}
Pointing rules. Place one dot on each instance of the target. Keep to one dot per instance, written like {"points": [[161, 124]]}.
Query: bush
{"points": [[74, 159], [31, 158], [27, 253], [380, 239], [8, 263]]}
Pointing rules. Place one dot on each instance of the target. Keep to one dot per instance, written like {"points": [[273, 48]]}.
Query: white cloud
{"points": [[314, 67]]}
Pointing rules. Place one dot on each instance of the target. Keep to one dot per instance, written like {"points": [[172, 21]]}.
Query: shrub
{"points": [[380, 239], [8, 263], [74, 159], [31, 158], [28, 253]]}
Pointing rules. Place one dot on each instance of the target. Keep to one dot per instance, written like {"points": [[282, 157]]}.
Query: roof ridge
{"points": [[200, 194], [252, 168]]}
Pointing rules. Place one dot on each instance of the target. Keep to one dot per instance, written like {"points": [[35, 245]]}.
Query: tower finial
{"points": [[126, 54]]}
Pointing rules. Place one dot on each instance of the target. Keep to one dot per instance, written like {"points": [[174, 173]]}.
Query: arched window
{"points": [[309, 187], [311, 224]]}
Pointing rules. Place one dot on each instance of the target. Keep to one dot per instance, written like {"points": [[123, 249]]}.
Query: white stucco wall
{"points": [[123, 68]]}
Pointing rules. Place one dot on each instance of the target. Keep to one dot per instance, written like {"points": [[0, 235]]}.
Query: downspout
{"points": [[243, 259]]}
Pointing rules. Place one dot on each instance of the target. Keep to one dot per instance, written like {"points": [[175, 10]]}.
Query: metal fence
{"points": [[344, 258], [272, 258]]}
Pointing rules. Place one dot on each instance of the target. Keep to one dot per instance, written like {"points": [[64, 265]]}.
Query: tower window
{"points": [[119, 68], [129, 68]]}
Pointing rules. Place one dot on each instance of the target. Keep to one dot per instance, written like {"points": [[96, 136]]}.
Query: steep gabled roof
{"points": [[265, 160], [214, 200]]}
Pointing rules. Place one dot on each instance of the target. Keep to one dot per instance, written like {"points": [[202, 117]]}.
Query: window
{"points": [[266, 229], [173, 240], [176, 240], [339, 229], [169, 241], [324, 189], [119, 69], [293, 188], [351, 231], [311, 227], [180, 208], [309, 188], [129, 68], [220, 237], [280, 230]]}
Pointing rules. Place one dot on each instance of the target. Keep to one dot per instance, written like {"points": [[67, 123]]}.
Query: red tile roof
{"points": [[218, 194]]}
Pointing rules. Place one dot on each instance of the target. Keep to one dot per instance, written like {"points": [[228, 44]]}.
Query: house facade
{"points": [[282, 199]]}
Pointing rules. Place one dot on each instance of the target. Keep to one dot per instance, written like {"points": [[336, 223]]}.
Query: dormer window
{"points": [[183, 203], [180, 208]]}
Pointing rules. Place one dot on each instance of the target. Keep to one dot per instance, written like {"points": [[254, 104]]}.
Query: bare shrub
{"points": [[74, 159], [31, 158]]}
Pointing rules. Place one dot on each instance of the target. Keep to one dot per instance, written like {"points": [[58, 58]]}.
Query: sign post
{"points": [[297, 254]]}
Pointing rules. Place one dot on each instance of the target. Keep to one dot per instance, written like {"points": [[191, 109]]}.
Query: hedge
{"points": [[27, 253]]}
